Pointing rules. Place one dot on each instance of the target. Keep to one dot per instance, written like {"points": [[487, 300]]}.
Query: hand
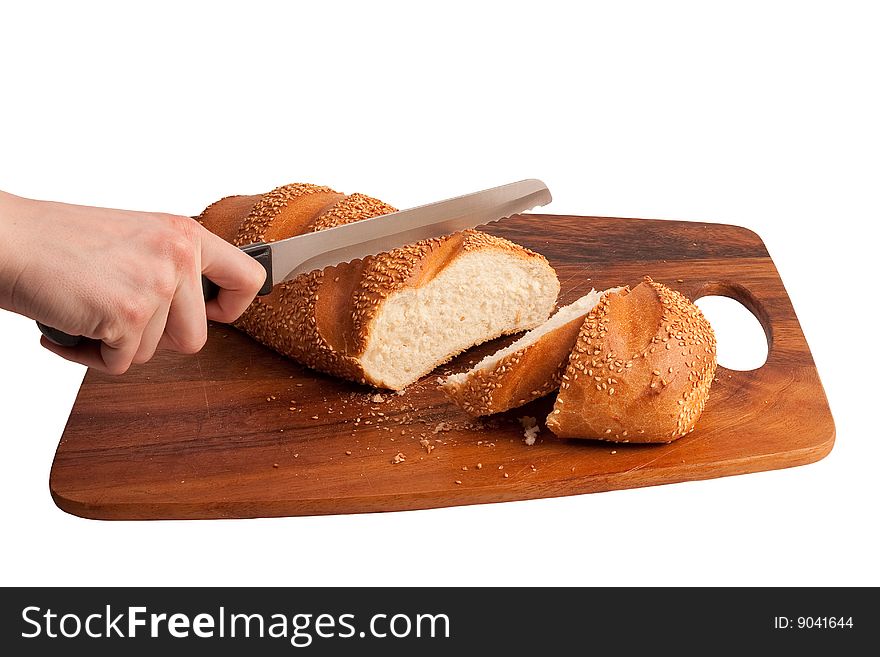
{"points": [[128, 279]]}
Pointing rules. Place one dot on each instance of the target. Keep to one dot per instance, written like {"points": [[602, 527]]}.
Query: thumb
{"points": [[238, 276]]}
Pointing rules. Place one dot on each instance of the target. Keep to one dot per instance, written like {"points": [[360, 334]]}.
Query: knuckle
{"points": [[133, 312], [164, 284], [179, 251], [177, 240]]}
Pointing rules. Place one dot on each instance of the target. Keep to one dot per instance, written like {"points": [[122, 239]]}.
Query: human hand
{"points": [[130, 280]]}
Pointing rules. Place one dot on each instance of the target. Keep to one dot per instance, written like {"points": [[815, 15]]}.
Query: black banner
{"points": [[437, 621]]}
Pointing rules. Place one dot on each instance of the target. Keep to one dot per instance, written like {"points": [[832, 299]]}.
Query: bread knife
{"points": [[288, 258]]}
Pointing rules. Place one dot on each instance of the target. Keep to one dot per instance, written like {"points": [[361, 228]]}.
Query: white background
{"points": [[761, 114]]}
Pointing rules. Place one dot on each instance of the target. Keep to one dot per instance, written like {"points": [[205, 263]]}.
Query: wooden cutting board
{"points": [[239, 431]]}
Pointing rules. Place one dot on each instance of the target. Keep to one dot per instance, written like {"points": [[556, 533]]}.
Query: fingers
{"points": [[117, 357], [112, 359], [237, 274], [152, 335], [158, 303], [186, 327]]}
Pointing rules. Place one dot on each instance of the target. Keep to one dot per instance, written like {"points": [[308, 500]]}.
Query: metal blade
{"points": [[325, 248]]}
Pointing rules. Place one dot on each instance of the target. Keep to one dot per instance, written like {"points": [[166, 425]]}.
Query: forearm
{"points": [[12, 215]]}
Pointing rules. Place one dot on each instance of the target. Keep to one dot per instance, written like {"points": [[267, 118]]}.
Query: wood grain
{"points": [[213, 436]]}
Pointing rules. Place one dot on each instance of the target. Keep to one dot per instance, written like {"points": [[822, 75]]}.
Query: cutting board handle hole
{"points": [[735, 315]]}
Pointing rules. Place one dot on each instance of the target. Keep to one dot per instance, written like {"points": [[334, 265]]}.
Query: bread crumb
{"points": [[442, 426], [464, 467], [400, 457], [314, 417], [531, 429], [479, 466], [274, 465], [348, 452], [377, 398], [458, 481]]}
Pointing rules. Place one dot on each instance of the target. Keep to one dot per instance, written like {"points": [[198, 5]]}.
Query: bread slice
{"points": [[529, 368], [640, 371], [389, 319]]}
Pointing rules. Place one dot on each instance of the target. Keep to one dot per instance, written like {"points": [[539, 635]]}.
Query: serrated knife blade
{"points": [[332, 246]]}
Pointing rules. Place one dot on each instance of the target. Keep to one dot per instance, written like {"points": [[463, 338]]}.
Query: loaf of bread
{"points": [[640, 371], [389, 319], [529, 368]]}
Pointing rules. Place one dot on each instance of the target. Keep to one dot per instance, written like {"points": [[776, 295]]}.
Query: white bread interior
{"points": [[480, 296]]}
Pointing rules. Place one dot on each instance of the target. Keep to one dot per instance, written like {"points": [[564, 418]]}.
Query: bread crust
{"points": [[640, 371], [517, 378], [322, 319]]}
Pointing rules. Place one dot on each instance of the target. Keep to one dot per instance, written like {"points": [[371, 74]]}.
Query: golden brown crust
{"points": [[225, 215], [322, 319], [640, 371], [284, 208], [518, 378]]}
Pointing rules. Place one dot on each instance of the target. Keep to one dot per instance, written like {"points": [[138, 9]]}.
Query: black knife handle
{"points": [[259, 251], [60, 338]]}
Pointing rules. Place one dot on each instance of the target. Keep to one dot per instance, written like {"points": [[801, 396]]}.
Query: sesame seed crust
{"points": [[323, 319], [272, 207], [502, 387], [637, 392]]}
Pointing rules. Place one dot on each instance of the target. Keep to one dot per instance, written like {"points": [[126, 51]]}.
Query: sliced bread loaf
{"points": [[640, 371], [529, 368], [389, 319]]}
